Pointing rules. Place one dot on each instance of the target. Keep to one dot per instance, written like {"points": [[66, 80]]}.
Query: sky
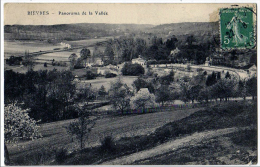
{"points": [[153, 13]]}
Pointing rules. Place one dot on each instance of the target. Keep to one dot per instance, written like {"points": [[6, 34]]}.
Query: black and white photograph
{"points": [[129, 84]]}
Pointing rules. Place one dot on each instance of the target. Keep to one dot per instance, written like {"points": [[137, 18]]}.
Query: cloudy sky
{"points": [[15, 13]]}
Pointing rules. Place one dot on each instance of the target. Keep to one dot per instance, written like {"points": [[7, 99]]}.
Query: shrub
{"points": [[163, 62], [167, 79], [90, 75], [78, 66], [60, 155], [245, 138], [188, 68], [110, 75], [97, 65], [132, 69], [107, 145], [42, 156], [59, 63], [149, 72], [149, 62]]}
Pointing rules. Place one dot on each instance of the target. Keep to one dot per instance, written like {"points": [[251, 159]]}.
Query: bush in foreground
{"points": [[108, 145], [61, 155]]}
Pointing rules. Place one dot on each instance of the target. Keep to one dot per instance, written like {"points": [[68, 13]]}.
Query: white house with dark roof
{"points": [[139, 60]]}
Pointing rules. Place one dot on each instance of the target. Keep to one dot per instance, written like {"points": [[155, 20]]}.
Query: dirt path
{"points": [[171, 146]]}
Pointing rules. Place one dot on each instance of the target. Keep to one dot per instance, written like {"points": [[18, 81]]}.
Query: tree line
{"points": [[156, 49]]}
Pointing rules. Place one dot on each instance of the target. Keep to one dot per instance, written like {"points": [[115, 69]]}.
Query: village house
{"points": [[175, 51], [252, 71], [76, 78], [99, 62], [139, 60]]}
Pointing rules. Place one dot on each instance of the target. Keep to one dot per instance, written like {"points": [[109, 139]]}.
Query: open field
{"points": [[224, 133], [55, 135], [17, 48], [220, 134], [23, 69], [87, 42], [106, 82]]}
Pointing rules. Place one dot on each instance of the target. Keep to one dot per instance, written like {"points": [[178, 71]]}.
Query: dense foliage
{"points": [[90, 75], [110, 75], [48, 94], [132, 69], [120, 95], [18, 124], [142, 99]]}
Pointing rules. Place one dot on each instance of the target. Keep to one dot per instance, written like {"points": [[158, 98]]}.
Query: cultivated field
{"points": [[23, 69], [17, 48], [87, 42]]}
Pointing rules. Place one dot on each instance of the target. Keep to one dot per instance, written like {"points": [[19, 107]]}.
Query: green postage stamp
{"points": [[236, 28]]}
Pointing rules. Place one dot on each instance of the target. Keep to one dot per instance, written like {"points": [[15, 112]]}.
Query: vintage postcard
{"points": [[129, 84]]}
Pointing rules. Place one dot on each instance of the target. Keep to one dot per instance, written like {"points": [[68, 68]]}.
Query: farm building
{"points": [[99, 62], [76, 78], [174, 52]]}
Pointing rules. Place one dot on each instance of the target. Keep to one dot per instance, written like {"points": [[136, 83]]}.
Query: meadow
{"points": [[141, 133], [17, 48], [106, 82], [55, 134]]}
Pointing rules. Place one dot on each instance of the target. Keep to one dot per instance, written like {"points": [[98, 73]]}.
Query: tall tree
{"points": [[109, 53], [142, 99], [81, 127], [73, 60], [85, 54], [120, 95], [185, 92], [163, 94], [28, 61]]}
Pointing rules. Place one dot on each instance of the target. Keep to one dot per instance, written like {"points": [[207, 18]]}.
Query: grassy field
{"points": [[88, 41], [23, 69], [236, 148], [55, 135], [134, 133], [19, 47], [232, 149], [106, 82]]}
